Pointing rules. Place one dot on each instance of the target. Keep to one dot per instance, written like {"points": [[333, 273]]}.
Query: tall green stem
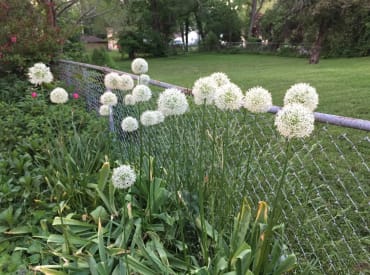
{"points": [[268, 234], [202, 188]]}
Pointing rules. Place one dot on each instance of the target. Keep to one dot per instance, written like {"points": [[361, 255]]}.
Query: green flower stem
{"points": [[268, 234], [250, 153], [202, 188]]}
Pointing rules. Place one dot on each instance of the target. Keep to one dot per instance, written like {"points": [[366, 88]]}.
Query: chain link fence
{"points": [[326, 207]]}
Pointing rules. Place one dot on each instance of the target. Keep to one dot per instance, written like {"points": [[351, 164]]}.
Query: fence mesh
{"points": [[326, 205]]}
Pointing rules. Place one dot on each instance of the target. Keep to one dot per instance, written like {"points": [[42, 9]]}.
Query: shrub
{"points": [[210, 43], [101, 57], [25, 36]]}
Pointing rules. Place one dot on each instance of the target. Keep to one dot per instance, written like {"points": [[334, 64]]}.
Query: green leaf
{"points": [[286, 264], [103, 176], [99, 213], [48, 271], [19, 230], [241, 226], [138, 266]]}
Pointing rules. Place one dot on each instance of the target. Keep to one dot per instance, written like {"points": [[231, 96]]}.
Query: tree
{"points": [[317, 21]]}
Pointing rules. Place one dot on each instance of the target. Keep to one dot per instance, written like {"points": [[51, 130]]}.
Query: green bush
{"points": [[25, 36], [101, 57], [210, 43]]}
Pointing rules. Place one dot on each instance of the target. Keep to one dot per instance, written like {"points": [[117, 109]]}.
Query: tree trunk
{"points": [[316, 47], [187, 34], [252, 18]]}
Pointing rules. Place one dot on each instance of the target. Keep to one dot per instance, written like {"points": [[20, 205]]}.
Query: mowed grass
{"points": [[343, 84]]}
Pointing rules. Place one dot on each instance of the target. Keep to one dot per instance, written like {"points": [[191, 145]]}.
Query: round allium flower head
{"points": [[129, 100], [172, 102], [204, 90], [160, 116], [257, 100], [229, 97], [59, 96], [144, 79], [302, 93], [141, 93], [104, 110], [220, 78], [149, 118], [129, 124], [139, 66], [39, 73], [123, 177], [108, 98], [295, 120], [127, 83], [112, 81]]}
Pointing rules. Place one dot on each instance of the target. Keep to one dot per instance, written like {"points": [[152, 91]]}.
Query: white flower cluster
{"points": [[129, 100], [39, 73], [123, 177], [139, 66], [108, 98], [257, 100], [141, 93], [172, 102], [150, 118], [127, 83], [104, 110], [112, 81], [220, 79], [302, 93], [295, 120], [129, 124], [59, 96], [204, 90], [144, 79], [229, 97]]}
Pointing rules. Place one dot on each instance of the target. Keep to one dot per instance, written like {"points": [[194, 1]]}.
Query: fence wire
{"points": [[326, 207]]}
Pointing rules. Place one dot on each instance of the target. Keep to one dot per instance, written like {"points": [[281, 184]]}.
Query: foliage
{"points": [[211, 42], [337, 28], [101, 57], [25, 36], [152, 230], [147, 42]]}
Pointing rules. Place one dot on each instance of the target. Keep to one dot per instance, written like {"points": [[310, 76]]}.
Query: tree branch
{"points": [[67, 5]]}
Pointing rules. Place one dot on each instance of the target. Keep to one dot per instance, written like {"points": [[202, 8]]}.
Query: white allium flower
{"points": [[257, 100], [139, 66], [129, 124], [302, 93], [104, 110], [220, 78], [129, 100], [172, 102], [108, 98], [123, 177], [149, 118], [127, 83], [144, 79], [229, 97], [39, 73], [204, 90], [112, 81], [141, 93], [59, 96], [160, 116], [295, 120]]}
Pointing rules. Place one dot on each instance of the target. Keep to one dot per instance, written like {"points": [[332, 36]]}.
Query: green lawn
{"points": [[343, 84]]}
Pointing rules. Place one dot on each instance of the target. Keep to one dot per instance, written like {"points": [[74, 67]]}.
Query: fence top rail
{"points": [[349, 122]]}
